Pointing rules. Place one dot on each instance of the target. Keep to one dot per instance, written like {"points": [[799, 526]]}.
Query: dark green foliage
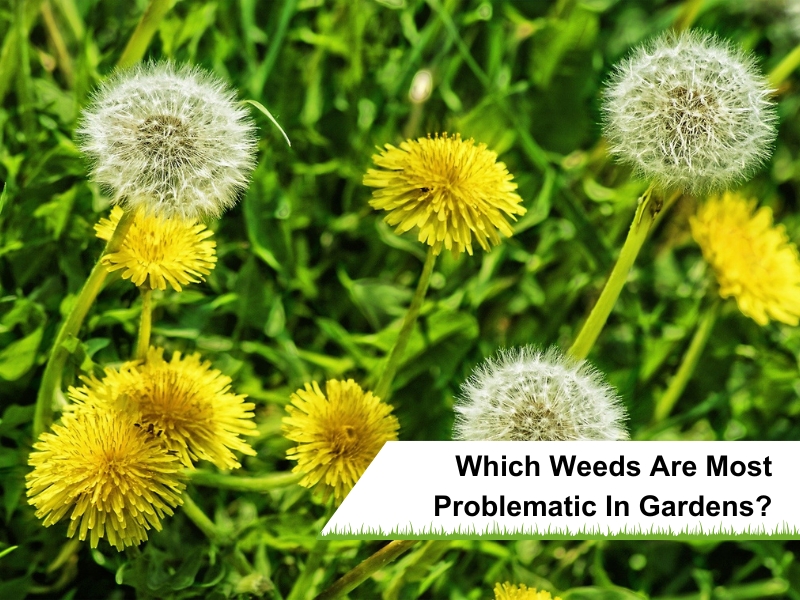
{"points": [[311, 284]]}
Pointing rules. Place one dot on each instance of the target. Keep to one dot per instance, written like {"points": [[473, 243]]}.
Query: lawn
{"points": [[312, 284]]}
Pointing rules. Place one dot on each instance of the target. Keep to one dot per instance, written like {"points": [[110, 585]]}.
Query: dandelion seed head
{"points": [[754, 261], [170, 140], [114, 479], [689, 111], [451, 189], [338, 433], [525, 394]]}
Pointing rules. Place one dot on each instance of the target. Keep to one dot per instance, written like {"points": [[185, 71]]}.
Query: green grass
{"points": [[311, 284], [495, 532]]}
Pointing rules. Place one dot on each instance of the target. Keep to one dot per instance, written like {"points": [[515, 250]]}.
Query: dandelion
{"points": [[689, 111], [184, 401], [171, 140], [158, 251], [450, 188], [526, 395], [508, 591], [338, 435], [754, 261], [114, 479]]}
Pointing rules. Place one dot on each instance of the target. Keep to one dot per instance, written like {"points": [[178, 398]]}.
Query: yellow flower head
{"points": [[115, 479], [184, 401], [449, 188], [338, 435], [752, 258], [507, 591], [159, 250]]}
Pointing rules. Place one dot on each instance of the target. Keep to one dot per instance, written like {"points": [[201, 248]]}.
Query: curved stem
{"points": [[51, 380], [666, 205], [384, 387], [199, 518], [147, 27], [688, 364], [145, 323], [349, 581], [243, 484], [643, 220]]}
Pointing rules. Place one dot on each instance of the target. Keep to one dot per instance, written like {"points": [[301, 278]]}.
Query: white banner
{"points": [[580, 489]]}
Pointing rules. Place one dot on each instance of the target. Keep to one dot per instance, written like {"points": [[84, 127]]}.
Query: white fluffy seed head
{"points": [[690, 112], [171, 140], [525, 394]]}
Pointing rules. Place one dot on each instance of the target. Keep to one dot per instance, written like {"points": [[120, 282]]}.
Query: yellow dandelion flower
{"points": [[184, 401], [448, 187], [159, 250], [338, 435], [507, 591], [115, 479], [753, 259]]}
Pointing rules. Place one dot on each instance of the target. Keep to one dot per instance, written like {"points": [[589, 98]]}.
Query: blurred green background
{"points": [[311, 283]]}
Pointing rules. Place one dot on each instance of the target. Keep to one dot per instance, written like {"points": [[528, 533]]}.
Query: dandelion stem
{"points": [[688, 364], [147, 27], [51, 380], [243, 484], [199, 518], [145, 323], [349, 581], [384, 387], [667, 204], [786, 67], [643, 220]]}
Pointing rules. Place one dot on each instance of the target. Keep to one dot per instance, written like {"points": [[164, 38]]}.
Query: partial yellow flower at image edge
{"points": [[754, 261]]}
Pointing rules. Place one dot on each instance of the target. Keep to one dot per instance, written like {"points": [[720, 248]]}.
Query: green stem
{"points": [[362, 572], [243, 484], [642, 222], [145, 323], [667, 204], [51, 380], [199, 518], [688, 364], [147, 27], [384, 387]]}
